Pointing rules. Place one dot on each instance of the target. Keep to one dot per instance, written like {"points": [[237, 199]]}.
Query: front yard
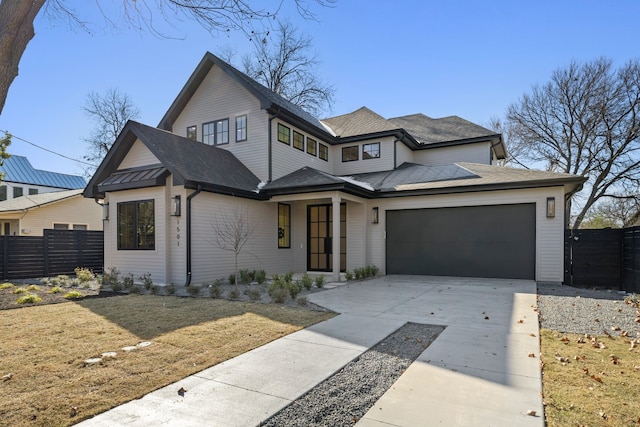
{"points": [[46, 376]]}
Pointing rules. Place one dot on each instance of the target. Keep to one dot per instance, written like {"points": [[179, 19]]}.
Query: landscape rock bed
{"points": [[344, 398]]}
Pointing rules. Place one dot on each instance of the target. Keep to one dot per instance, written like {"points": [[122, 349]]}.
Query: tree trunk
{"points": [[16, 31]]}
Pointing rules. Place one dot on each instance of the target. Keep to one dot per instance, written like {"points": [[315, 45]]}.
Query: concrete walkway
{"points": [[478, 372]]}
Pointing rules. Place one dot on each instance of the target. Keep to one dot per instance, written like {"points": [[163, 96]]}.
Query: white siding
{"points": [[26, 187], [403, 154], [549, 231], [385, 162], [221, 97], [287, 159], [138, 155], [471, 153], [356, 235]]}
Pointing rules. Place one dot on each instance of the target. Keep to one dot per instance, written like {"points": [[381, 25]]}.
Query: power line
{"points": [[46, 149]]}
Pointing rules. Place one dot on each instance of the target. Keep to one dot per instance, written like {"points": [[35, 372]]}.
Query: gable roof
{"points": [[269, 100], [23, 203], [191, 163], [18, 169], [361, 121]]}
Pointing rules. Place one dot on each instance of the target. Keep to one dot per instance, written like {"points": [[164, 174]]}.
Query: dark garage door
{"points": [[476, 241]]}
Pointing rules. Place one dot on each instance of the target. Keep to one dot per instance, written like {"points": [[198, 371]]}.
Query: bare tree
{"points": [[288, 67], [515, 147], [585, 121], [110, 113], [233, 231], [17, 17], [614, 212]]}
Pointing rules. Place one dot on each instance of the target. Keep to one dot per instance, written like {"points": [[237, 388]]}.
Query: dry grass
{"points": [[45, 347], [590, 381]]}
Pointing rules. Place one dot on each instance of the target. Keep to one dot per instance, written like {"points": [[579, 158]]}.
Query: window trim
{"points": [[16, 189], [211, 135], [86, 227], [294, 140], [195, 132], [312, 143], [136, 247], [217, 134], [321, 148], [353, 148], [286, 227], [3, 193], [53, 225], [245, 128], [371, 157], [281, 126]]}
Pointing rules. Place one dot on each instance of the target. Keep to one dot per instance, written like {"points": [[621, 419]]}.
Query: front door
{"points": [[320, 237]]}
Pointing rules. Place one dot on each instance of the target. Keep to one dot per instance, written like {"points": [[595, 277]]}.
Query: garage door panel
{"points": [[476, 241]]}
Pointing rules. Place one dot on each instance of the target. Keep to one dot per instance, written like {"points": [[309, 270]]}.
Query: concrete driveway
{"points": [[483, 370]]}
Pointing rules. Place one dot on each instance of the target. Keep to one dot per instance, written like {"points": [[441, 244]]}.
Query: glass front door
{"points": [[320, 237]]}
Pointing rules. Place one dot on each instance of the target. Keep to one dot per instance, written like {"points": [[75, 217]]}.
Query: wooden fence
{"points": [[57, 252]]}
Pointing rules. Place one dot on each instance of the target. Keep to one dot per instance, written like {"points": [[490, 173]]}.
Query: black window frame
{"points": [[284, 226], [60, 226], [3, 193], [192, 132], [241, 131], [354, 150], [323, 152], [301, 138], [209, 133], [33, 191], [312, 143], [281, 134], [17, 190], [368, 156], [219, 133], [136, 240]]}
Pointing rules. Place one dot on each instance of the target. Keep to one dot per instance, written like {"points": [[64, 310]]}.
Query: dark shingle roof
{"points": [[18, 169], [429, 131], [362, 121]]}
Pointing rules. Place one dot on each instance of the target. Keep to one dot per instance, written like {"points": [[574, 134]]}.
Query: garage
{"points": [[472, 241]]}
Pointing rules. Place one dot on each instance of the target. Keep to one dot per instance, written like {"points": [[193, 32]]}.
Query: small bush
{"points": [[33, 288], [111, 276], [320, 281], [232, 279], [245, 276], [348, 275], [302, 300], [44, 281], [215, 291], [63, 280], [74, 282], [261, 275], [55, 281], [55, 290], [133, 289], [29, 299], [117, 287], [7, 285], [288, 276], [234, 293], [127, 281], [154, 289], [170, 289], [84, 274], [254, 294], [279, 295], [73, 295], [373, 270], [294, 288], [358, 273], [275, 277], [306, 281], [19, 291], [194, 290], [146, 281]]}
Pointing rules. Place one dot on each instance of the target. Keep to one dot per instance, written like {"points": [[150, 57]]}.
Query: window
{"points": [[371, 151], [33, 191], [323, 152], [298, 140], [192, 132], [349, 154], [312, 146], [136, 222], [17, 192], [3, 193], [216, 133], [79, 226], [58, 226], [241, 128], [284, 134], [284, 225]]}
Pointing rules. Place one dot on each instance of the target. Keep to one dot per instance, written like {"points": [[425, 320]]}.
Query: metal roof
{"points": [[18, 169]]}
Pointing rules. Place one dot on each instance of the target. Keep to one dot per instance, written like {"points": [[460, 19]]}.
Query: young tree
{"points": [[232, 232], [5, 141], [110, 113], [17, 16], [288, 67], [585, 121]]}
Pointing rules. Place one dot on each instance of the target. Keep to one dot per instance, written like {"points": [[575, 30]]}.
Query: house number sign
{"points": [[178, 232]]}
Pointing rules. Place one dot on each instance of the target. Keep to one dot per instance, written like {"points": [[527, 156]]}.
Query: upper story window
{"points": [[60, 226], [349, 154], [3, 193], [33, 191], [371, 151], [136, 225], [241, 128], [192, 132], [312, 146], [216, 133], [298, 140], [17, 192], [284, 134], [323, 152]]}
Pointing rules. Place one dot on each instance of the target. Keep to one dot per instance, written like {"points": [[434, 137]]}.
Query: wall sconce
{"points": [[105, 212], [374, 215], [551, 207], [175, 206]]}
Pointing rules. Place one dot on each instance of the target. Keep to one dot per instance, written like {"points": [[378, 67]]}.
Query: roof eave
{"points": [[464, 141], [229, 191], [279, 112], [344, 187]]}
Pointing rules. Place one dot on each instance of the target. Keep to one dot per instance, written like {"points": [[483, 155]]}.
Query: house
{"points": [[411, 194], [62, 210]]}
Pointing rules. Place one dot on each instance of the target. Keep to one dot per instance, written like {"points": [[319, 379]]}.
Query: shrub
{"points": [[146, 280], [44, 281], [302, 300], [154, 289], [133, 289], [359, 273], [55, 290], [84, 274], [111, 276], [127, 281], [170, 289], [55, 281], [279, 295], [294, 288], [348, 275], [218, 282], [74, 282], [234, 293], [63, 279], [19, 291], [275, 277], [215, 291], [194, 290], [29, 299], [73, 295], [261, 275], [254, 294], [306, 281], [232, 279], [33, 288], [288, 276], [320, 281], [117, 287], [7, 285], [373, 270], [245, 276]]}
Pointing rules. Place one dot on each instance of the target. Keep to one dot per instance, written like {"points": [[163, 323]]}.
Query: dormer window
{"points": [[371, 151]]}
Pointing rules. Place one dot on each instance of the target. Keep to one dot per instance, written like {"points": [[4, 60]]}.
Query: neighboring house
{"points": [[412, 194], [62, 210]]}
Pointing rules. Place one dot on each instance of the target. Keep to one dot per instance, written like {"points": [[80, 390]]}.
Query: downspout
{"points": [[269, 142], [191, 196]]}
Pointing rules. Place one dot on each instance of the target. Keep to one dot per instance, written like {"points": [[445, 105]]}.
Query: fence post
{"points": [[45, 242], [5, 256]]}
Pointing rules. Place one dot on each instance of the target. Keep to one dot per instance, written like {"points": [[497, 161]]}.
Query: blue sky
{"points": [[465, 58]]}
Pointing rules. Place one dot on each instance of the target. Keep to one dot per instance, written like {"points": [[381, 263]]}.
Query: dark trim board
{"points": [[497, 241]]}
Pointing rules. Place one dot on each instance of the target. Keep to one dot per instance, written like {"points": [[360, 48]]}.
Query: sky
{"points": [[466, 58]]}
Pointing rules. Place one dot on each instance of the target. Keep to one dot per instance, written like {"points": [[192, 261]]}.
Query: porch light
{"points": [[175, 206], [374, 215], [551, 207], [105, 212]]}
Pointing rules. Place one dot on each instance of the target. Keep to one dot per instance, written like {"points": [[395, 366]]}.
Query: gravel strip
{"points": [[586, 311], [342, 399]]}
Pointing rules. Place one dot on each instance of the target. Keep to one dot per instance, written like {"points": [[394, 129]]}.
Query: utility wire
{"points": [[46, 149]]}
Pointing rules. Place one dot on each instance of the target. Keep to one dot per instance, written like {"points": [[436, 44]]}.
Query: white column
{"points": [[336, 238]]}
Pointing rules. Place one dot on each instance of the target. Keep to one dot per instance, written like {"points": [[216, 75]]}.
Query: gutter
{"points": [[189, 198]]}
